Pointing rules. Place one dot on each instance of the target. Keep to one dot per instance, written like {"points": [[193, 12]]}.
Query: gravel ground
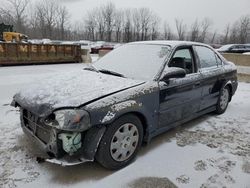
{"points": [[211, 151]]}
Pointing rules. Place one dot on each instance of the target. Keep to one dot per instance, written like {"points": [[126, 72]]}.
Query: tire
{"points": [[223, 100], [120, 143]]}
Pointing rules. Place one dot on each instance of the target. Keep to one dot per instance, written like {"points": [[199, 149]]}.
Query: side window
{"points": [[238, 47], [207, 57], [183, 58], [218, 59], [241, 47]]}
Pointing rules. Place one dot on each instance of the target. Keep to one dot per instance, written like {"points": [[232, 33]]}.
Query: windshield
{"points": [[137, 61]]}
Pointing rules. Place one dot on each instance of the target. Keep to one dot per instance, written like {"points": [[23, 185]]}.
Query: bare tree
{"points": [[180, 27], [90, 25], [100, 21], [33, 31], [127, 26], [168, 35], [63, 21], [195, 31], [244, 29], [155, 22], [205, 25], [234, 33], [15, 12], [77, 31], [145, 19], [118, 23], [225, 38], [212, 41], [47, 15], [6, 17], [49, 19], [108, 12], [136, 24]]}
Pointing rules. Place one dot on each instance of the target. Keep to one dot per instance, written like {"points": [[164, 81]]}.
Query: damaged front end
{"points": [[65, 135]]}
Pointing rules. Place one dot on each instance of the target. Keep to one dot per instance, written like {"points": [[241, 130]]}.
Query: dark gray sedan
{"points": [[139, 90]]}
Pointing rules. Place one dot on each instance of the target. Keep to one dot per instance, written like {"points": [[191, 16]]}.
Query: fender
{"points": [[143, 101], [91, 142]]}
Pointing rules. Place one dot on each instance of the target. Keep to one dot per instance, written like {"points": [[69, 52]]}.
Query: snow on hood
{"points": [[70, 89]]}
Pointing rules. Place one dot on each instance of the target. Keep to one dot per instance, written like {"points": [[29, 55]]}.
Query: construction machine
{"points": [[8, 35], [14, 37]]}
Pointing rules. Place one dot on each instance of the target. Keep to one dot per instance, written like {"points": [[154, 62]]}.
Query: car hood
{"points": [[71, 89]]}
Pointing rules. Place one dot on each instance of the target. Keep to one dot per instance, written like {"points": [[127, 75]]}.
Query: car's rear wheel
{"points": [[120, 143], [223, 100]]}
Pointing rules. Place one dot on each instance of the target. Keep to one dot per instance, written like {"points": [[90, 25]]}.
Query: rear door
{"points": [[211, 69]]}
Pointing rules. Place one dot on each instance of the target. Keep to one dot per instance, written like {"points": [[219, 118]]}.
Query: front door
{"points": [[180, 97]]}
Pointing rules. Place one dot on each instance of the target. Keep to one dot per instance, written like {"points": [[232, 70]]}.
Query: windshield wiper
{"points": [[91, 68], [105, 71]]}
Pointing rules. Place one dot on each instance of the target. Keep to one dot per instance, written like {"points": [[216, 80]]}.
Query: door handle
{"points": [[197, 84]]}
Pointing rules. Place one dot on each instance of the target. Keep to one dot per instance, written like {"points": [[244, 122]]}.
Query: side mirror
{"points": [[173, 72]]}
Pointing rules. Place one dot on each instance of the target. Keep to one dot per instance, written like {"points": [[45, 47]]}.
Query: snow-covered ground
{"points": [[211, 151], [243, 69]]}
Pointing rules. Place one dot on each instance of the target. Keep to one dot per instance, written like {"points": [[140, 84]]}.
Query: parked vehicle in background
{"points": [[137, 91], [96, 46], [85, 44], [246, 53], [107, 46], [234, 48], [101, 45]]}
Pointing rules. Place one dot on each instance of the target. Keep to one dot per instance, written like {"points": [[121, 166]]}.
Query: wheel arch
{"points": [[106, 160], [97, 133], [141, 117], [229, 85]]}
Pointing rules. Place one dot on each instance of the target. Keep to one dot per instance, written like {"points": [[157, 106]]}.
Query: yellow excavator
{"points": [[14, 37]]}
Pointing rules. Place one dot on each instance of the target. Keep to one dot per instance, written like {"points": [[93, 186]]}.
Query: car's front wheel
{"points": [[120, 143], [223, 100]]}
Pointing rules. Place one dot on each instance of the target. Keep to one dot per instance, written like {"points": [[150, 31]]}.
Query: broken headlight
{"points": [[69, 120]]}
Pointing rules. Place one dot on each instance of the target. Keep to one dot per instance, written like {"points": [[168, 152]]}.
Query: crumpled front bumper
{"points": [[53, 146], [66, 160]]}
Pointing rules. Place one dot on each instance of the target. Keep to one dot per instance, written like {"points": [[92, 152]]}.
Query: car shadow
{"points": [[62, 175], [90, 171], [170, 135]]}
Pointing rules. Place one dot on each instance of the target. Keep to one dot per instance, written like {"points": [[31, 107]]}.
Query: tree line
{"points": [[50, 19]]}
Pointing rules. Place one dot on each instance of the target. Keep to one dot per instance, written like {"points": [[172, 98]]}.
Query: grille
{"points": [[34, 124]]}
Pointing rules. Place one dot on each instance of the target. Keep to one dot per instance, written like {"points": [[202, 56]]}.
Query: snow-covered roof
{"points": [[172, 43]]}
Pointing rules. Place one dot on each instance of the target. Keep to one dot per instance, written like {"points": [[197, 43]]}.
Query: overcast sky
{"points": [[220, 12]]}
